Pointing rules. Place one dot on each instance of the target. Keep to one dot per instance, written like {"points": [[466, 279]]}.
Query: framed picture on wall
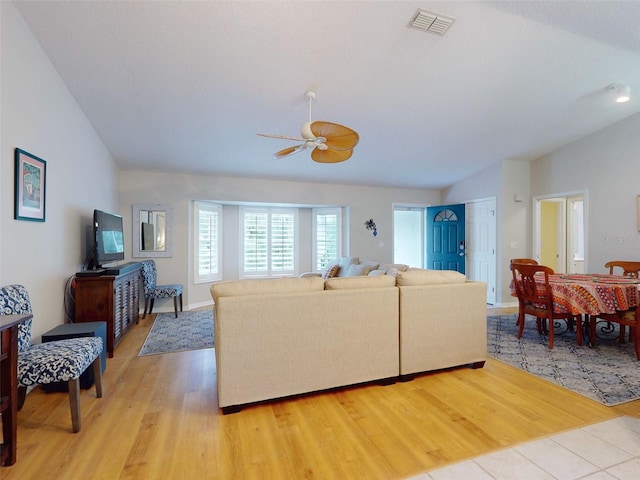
{"points": [[30, 187]]}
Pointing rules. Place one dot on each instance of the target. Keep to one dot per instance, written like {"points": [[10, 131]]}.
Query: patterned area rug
{"points": [[190, 331], [608, 372]]}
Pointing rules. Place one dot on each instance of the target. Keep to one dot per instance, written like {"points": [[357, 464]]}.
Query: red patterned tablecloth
{"points": [[592, 294]]}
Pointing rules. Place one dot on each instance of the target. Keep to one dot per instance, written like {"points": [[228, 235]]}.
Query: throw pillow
{"points": [[372, 265], [358, 270], [331, 271], [375, 273], [345, 263]]}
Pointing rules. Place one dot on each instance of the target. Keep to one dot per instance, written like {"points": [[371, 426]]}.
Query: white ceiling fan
{"points": [[330, 142]]}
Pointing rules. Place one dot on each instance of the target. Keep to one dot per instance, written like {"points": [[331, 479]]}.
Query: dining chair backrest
{"points": [[149, 275], [629, 269], [14, 300], [528, 291], [527, 261]]}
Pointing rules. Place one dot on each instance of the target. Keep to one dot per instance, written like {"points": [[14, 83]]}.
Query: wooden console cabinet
{"points": [[114, 299]]}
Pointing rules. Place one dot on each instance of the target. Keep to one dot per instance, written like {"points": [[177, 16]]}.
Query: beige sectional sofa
{"points": [[443, 321], [282, 337]]}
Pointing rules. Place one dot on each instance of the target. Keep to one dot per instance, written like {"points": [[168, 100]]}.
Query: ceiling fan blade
{"points": [[330, 156], [338, 137], [289, 151], [285, 137]]}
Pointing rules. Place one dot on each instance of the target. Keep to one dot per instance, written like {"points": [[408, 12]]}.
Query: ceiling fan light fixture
{"points": [[328, 142]]}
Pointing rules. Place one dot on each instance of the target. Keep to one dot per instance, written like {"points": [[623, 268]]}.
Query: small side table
{"points": [[76, 330]]}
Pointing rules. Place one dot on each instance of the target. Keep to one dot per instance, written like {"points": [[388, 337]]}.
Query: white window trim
{"points": [[314, 240], [212, 207], [268, 273]]}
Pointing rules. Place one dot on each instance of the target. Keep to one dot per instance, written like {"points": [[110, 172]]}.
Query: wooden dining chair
{"points": [[629, 269], [628, 318], [526, 261], [535, 298]]}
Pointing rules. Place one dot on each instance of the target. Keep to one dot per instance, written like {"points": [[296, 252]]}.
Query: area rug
{"points": [[190, 331], [608, 373]]}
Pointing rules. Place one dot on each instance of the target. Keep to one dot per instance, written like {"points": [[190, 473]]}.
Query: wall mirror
{"points": [[152, 230]]}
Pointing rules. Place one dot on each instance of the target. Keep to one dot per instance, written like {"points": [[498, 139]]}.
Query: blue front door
{"points": [[446, 238]]}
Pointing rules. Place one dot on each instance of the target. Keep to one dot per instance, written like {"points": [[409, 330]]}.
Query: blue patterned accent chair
{"points": [[153, 291], [58, 361]]}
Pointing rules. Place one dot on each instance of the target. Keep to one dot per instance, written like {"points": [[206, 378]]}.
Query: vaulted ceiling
{"points": [[185, 86]]}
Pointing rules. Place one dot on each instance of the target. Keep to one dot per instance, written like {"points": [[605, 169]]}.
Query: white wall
{"points": [[501, 180], [39, 115], [362, 202], [606, 165]]}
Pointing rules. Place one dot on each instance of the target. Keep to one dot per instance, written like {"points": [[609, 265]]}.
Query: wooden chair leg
{"points": [[74, 403], [181, 302], [592, 329], [175, 305], [22, 395], [151, 305], [578, 319], [635, 334], [146, 305], [521, 321], [621, 337], [97, 376]]}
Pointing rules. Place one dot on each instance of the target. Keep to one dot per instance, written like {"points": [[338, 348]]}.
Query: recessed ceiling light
{"points": [[622, 92]]}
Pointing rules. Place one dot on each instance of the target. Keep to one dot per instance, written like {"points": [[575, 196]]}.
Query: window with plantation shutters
{"points": [[268, 242], [326, 236], [207, 241]]}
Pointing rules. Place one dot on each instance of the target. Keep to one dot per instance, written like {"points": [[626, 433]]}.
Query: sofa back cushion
{"points": [[235, 288], [418, 276], [345, 283]]}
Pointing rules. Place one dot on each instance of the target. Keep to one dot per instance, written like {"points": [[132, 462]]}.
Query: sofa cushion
{"points": [[398, 266], [375, 273], [357, 270], [427, 277], [331, 271], [235, 288], [372, 265], [345, 263], [346, 283]]}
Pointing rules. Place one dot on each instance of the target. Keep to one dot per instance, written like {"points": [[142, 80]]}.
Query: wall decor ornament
{"points": [[30, 187], [371, 225]]}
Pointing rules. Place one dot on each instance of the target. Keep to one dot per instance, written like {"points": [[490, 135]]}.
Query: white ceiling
{"points": [[184, 86]]}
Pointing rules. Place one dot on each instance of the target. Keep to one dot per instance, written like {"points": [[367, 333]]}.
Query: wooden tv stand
{"points": [[114, 299]]}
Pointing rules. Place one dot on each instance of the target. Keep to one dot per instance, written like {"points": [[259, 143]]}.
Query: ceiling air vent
{"points": [[431, 22]]}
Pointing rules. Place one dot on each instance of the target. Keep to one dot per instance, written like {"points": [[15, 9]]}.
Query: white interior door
{"points": [[481, 245], [560, 232]]}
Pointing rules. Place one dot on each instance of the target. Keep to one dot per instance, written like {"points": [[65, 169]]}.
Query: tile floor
{"points": [[604, 451]]}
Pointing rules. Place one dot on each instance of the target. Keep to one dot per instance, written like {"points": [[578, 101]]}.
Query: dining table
{"points": [[593, 293], [590, 293]]}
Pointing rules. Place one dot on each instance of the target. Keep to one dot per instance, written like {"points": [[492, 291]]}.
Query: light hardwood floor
{"points": [[158, 419]]}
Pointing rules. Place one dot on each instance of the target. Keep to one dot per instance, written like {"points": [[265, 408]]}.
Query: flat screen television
{"points": [[108, 239]]}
